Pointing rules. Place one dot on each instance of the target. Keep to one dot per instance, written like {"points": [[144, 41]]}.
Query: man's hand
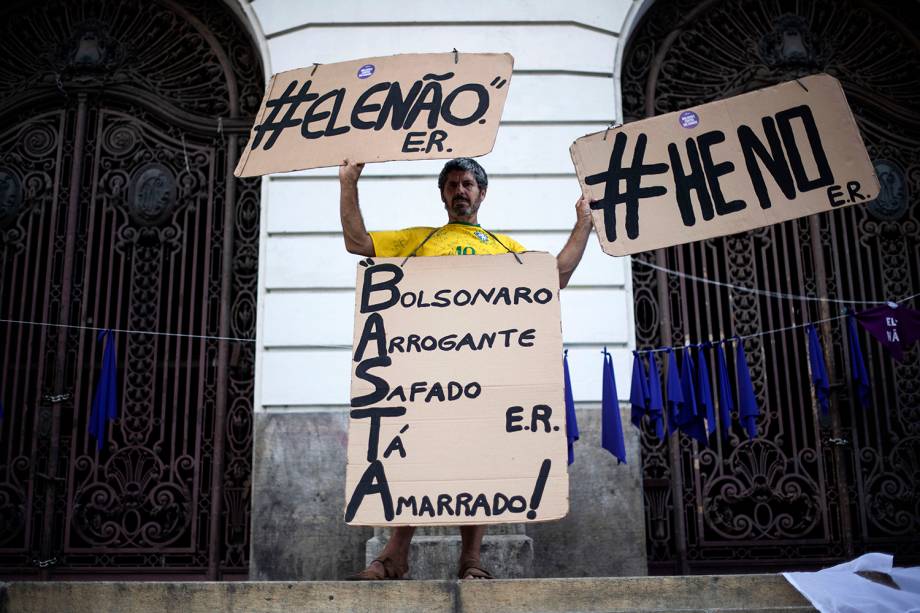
{"points": [[583, 211], [357, 240], [570, 256], [349, 172]]}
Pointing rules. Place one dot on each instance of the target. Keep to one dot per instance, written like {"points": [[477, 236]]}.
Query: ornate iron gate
{"points": [[809, 490], [121, 123]]}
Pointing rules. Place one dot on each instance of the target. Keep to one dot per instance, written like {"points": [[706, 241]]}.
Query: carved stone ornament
{"points": [[892, 201], [152, 194]]}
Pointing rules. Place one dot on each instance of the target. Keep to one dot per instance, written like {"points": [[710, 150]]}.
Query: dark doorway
{"points": [[120, 123], [810, 490]]}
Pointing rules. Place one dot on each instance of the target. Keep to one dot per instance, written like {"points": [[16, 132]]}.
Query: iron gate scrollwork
{"points": [[809, 490], [118, 209]]}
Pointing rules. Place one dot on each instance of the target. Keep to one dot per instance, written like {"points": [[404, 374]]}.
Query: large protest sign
{"points": [[749, 161], [458, 414], [401, 107]]}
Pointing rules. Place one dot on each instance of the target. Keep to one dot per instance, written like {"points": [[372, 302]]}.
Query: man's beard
{"points": [[461, 205]]}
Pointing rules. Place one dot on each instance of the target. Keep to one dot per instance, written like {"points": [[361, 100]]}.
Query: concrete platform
{"points": [[713, 593]]}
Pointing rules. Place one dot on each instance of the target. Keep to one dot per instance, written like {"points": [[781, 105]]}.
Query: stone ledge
{"points": [[709, 594]]}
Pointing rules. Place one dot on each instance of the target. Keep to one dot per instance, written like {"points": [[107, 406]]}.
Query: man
{"points": [[463, 184]]}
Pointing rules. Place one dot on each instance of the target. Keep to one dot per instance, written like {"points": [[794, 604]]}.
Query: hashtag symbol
{"points": [[271, 125], [634, 190]]}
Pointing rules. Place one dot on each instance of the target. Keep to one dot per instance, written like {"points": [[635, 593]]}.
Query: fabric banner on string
{"points": [[894, 326], [726, 399], [571, 418], [704, 390], [105, 403], [611, 424], [819, 376], [690, 420], [638, 392], [655, 400], [747, 400], [858, 371]]}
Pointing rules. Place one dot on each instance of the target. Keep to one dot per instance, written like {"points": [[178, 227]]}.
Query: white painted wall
{"points": [[563, 87]]}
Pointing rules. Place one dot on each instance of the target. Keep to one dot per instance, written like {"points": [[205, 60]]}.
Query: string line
{"points": [[754, 290], [171, 334], [756, 334], [252, 340]]}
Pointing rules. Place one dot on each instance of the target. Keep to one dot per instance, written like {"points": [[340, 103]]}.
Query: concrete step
{"points": [[509, 556], [711, 594]]}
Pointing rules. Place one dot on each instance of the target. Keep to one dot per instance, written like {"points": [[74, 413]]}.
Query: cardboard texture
{"points": [[483, 439], [729, 166], [401, 107]]}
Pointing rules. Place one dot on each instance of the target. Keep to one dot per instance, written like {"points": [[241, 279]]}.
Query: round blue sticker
{"points": [[689, 119], [365, 71]]}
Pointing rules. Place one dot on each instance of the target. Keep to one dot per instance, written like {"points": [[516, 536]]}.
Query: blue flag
{"points": [[655, 401], [571, 421], [818, 369], [747, 401], [675, 393], [690, 418], [857, 365], [638, 391], [726, 400], [704, 390], [611, 425], [105, 404]]}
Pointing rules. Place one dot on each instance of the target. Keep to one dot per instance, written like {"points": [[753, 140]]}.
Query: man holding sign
{"points": [[463, 184]]}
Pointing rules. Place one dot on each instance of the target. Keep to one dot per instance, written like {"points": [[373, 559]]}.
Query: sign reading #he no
{"points": [[729, 166], [401, 107], [457, 393]]}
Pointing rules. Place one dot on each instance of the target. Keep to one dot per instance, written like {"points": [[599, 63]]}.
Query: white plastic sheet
{"points": [[840, 590]]}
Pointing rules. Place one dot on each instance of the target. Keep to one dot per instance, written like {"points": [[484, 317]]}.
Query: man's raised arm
{"points": [[357, 240], [568, 259]]}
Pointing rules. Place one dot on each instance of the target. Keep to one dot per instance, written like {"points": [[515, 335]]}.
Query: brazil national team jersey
{"points": [[452, 239]]}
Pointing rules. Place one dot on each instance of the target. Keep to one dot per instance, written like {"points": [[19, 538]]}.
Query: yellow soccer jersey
{"points": [[452, 239]]}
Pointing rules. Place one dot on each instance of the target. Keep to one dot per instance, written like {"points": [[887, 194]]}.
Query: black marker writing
{"points": [[429, 101], [634, 192]]}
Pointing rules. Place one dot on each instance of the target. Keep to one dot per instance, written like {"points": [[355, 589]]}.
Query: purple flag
{"points": [[675, 393], [105, 403], [655, 401], [571, 421], [690, 419], [857, 365], [893, 326], [611, 425], [704, 390], [726, 400], [747, 401], [818, 369], [638, 391]]}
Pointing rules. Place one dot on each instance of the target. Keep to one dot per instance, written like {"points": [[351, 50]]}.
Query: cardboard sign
{"points": [[458, 415], [749, 161], [401, 107]]}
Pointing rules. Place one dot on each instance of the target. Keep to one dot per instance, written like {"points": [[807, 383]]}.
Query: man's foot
{"points": [[382, 569], [471, 569]]}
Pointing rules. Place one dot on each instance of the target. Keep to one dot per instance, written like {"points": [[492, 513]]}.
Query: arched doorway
{"points": [[121, 123], [810, 490]]}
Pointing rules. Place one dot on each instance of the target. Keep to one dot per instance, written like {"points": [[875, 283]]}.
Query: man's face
{"points": [[461, 196]]}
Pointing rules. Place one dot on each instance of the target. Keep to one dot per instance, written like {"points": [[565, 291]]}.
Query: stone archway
{"points": [[122, 122]]}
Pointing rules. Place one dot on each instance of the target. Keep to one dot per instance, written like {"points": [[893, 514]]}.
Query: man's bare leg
{"points": [[471, 543], [393, 561]]}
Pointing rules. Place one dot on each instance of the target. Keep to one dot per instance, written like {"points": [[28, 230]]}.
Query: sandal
{"points": [[391, 571], [472, 570]]}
